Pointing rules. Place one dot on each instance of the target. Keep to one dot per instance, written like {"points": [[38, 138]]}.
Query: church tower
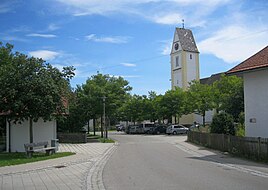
{"points": [[184, 59]]}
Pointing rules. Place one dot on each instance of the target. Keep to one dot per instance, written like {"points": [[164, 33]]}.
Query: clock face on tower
{"points": [[176, 46]]}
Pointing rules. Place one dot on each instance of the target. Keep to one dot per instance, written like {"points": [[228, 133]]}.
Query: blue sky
{"points": [[132, 38]]}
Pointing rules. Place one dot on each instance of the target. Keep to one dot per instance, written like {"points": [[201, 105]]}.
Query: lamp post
{"points": [[104, 119]]}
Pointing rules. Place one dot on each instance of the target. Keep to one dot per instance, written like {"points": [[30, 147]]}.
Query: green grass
{"points": [[8, 159], [104, 140]]}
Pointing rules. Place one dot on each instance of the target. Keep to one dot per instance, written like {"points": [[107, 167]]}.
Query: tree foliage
{"points": [[200, 98], [30, 87], [223, 123], [229, 95]]}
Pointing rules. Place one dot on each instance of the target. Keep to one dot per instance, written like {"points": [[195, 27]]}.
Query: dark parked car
{"points": [[120, 128], [161, 129]]}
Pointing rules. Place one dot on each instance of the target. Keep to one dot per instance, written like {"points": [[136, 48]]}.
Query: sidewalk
{"points": [[69, 172]]}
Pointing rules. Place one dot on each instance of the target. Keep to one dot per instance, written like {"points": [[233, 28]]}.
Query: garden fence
{"points": [[250, 147]]}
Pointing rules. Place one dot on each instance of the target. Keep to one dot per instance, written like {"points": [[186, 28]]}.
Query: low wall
{"points": [[72, 137], [250, 147]]}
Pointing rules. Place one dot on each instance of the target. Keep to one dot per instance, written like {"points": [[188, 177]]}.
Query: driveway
{"points": [[73, 172], [144, 162]]}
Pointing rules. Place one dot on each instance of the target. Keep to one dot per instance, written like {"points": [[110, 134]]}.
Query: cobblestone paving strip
{"points": [[94, 178], [61, 173]]}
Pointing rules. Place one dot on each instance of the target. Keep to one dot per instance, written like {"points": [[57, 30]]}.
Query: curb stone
{"points": [[94, 178]]}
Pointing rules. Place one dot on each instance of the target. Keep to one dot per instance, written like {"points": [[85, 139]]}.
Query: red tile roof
{"points": [[256, 61]]}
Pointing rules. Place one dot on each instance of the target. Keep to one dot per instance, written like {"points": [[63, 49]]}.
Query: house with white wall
{"points": [[255, 76], [18, 134]]}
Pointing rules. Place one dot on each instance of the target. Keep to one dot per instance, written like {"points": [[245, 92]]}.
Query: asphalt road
{"points": [[146, 162]]}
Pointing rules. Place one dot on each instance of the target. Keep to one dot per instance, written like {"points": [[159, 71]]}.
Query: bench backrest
{"points": [[38, 144]]}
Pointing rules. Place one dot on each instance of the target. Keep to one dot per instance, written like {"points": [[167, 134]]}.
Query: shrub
{"points": [[223, 123]]}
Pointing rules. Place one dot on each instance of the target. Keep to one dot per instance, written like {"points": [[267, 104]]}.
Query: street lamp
{"points": [[104, 119]]}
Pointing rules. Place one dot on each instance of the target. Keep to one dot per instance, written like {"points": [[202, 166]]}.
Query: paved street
{"points": [[79, 171], [145, 162]]}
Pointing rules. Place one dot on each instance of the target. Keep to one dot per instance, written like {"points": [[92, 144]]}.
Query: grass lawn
{"points": [[98, 137], [104, 140], [8, 159]]}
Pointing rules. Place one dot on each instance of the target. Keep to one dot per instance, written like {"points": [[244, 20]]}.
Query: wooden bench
{"points": [[30, 148]]}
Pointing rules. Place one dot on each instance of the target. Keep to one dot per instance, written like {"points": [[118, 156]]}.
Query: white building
{"points": [[255, 76], [19, 134], [184, 60]]}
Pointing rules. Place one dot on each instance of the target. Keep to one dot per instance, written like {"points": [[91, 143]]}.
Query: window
{"points": [[191, 56], [177, 61]]}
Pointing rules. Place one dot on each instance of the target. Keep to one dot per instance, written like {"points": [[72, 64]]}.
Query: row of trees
{"points": [[31, 89], [225, 95]]}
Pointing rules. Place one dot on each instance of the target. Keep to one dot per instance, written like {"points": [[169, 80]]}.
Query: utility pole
{"points": [[104, 119]]}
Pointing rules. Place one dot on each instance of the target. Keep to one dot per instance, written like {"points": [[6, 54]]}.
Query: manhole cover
{"points": [[61, 166]]}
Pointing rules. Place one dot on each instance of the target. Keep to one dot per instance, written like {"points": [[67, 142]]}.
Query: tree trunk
{"points": [[88, 127], [101, 127], [94, 126], [31, 130], [204, 119]]}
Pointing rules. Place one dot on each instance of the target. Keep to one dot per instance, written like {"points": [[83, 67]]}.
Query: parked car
{"points": [[146, 127], [134, 129], [176, 129], [120, 128], [160, 129]]}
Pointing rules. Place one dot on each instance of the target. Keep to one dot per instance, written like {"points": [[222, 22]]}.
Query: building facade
{"points": [[184, 60], [255, 77]]}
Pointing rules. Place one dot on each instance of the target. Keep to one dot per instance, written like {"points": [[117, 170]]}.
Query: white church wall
{"points": [[256, 104], [191, 66]]}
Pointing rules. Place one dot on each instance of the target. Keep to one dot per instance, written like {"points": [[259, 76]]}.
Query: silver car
{"points": [[176, 129]]}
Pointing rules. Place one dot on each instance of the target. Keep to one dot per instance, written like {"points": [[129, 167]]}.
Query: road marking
{"points": [[217, 162]]}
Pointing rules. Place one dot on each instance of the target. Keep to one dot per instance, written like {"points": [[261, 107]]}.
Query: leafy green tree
{"points": [[229, 95], [172, 103], [114, 89], [223, 123], [200, 97], [31, 88]]}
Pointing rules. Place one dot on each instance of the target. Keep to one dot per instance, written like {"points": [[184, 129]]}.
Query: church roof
{"points": [[186, 39], [215, 77], [256, 61], [210, 80]]}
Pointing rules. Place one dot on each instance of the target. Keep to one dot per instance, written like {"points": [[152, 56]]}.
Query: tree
{"points": [[223, 123], [114, 89], [172, 103], [31, 88], [229, 95], [201, 98]]}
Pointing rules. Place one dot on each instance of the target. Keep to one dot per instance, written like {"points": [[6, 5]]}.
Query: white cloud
{"points": [[168, 11], [235, 43], [42, 35], [109, 39], [53, 27], [44, 54], [128, 64], [173, 18], [12, 38], [6, 6], [127, 76]]}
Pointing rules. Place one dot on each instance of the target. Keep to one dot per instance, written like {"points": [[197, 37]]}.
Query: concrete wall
{"points": [[256, 103], [19, 133], [72, 137]]}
